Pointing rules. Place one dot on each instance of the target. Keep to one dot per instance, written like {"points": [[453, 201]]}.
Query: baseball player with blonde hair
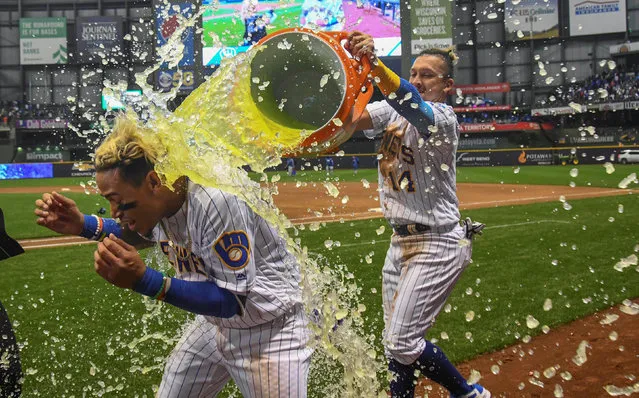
{"points": [[429, 248], [232, 269]]}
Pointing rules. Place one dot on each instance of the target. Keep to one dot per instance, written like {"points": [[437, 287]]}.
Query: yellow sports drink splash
{"points": [[250, 113]]}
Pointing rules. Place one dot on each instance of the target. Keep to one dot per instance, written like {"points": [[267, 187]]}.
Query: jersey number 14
{"points": [[405, 180]]}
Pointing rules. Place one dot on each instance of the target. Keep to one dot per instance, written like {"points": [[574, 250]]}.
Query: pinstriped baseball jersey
{"points": [[417, 172], [236, 249], [217, 237]]}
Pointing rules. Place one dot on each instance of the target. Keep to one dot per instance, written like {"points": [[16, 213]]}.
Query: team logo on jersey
{"points": [[234, 249]]}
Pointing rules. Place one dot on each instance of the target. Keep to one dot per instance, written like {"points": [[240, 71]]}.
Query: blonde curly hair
{"points": [[129, 149], [448, 55]]}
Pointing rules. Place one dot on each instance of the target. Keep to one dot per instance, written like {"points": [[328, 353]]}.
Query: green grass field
{"points": [[83, 337]]}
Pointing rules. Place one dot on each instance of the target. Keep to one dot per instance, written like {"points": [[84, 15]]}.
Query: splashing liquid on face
{"points": [[212, 135]]}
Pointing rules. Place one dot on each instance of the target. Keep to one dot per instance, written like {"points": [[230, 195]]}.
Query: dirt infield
{"points": [[521, 368]]}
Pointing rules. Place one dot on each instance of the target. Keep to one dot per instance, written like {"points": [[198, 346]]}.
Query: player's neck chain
{"points": [[172, 241]]}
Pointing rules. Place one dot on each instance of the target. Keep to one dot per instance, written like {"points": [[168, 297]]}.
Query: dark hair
{"points": [[447, 54]]}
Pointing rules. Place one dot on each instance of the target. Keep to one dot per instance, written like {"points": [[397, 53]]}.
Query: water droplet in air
{"points": [[580, 358], [609, 319], [610, 168], [494, 369], [531, 322], [547, 304], [566, 375], [574, 173], [613, 336], [575, 106], [470, 315], [516, 170], [324, 80], [444, 167], [380, 230], [492, 15], [550, 372], [559, 391]]}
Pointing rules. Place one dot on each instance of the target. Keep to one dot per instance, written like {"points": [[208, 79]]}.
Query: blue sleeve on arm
{"points": [[111, 227], [421, 115], [204, 298], [92, 230]]}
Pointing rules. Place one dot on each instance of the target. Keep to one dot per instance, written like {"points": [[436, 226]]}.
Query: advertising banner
{"points": [[617, 136], [488, 127], [169, 79], [481, 88], [168, 20], [99, 38], [531, 19], [79, 169], [593, 17], [431, 24], [17, 171], [534, 157], [43, 41], [42, 156], [41, 124], [611, 106], [560, 110], [632, 105], [490, 108], [624, 48]]}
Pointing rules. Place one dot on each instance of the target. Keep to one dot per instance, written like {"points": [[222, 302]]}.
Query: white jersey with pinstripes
{"points": [[417, 169], [234, 248]]}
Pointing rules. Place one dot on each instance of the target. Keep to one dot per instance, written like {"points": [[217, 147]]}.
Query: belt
{"points": [[411, 229], [416, 229]]}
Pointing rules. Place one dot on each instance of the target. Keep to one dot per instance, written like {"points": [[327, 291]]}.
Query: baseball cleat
{"points": [[478, 392]]}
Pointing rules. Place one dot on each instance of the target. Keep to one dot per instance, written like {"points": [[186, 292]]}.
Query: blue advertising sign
{"points": [[99, 38], [167, 22]]}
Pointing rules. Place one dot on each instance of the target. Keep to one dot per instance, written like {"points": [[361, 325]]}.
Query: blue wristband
{"points": [[110, 227], [150, 283], [89, 227], [92, 229]]}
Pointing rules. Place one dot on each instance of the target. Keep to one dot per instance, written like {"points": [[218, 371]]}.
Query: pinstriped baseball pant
{"points": [[268, 360], [419, 274]]}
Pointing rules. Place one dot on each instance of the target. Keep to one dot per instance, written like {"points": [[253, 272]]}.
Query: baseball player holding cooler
{"points": [[232, 269], [429, 248]]}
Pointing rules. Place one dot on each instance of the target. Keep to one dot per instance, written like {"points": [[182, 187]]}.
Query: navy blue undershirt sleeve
{"points": [[420, 115], [204, 298]]}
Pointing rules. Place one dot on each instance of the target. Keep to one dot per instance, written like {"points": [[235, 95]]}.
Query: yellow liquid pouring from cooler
{"points": [[217, 131]]}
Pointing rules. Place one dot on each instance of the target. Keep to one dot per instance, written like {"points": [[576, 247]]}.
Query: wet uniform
{"points": [[429, 249], [216, 237]]}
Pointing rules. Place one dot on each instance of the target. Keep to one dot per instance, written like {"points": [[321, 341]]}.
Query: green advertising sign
{"points": [[43, 41], [431, 24]]}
